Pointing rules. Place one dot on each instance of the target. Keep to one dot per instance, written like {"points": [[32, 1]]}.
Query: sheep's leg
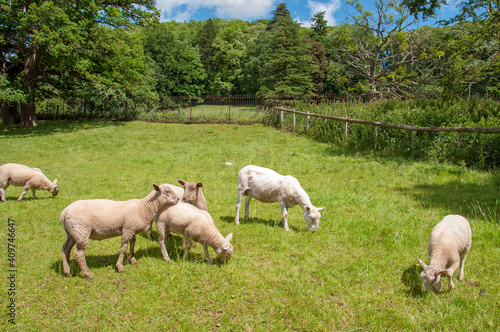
{"points": [[80, 258], [25, 190], [3, 187], [66, 251], [33, 191], [150, 232], [209, 259], [449, 274], [160, 228], [131, 256], [284, 218], [463, 255], [438, 283], [186, 244], [123, 249], [238, 205], [247, 207]]}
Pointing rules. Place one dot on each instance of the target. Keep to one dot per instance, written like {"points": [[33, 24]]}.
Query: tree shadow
{"points": [[411, 279], [46, 128], [477, 201]]}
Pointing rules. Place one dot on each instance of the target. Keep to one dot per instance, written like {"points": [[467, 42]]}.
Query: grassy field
{"points": [[358, 272]]}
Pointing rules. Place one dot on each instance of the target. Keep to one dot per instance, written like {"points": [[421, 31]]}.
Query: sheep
{"points": [[99, 219], [30, 178], [449, 244], [195, 225], [267, 186], [191, 193]]}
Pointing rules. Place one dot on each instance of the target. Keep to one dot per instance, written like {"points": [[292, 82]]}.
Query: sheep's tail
{"points": [[64, 213]]}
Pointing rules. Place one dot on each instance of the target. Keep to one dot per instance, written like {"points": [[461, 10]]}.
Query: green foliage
{"points": [[476, 150], [357, 272], [176, 65]]}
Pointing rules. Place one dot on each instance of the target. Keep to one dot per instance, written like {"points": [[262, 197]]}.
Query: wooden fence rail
{"points": [[391, 125]]}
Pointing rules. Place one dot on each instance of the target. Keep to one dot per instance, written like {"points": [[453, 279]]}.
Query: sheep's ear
{"points": [[229, 237], [199, 184], [321, 208], [422, 263], [181, 182], [156, 187], [441, 272], [55, 181]]}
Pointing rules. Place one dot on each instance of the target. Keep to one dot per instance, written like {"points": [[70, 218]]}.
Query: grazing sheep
{"points": [[99, 219], [449, 244], [195, 225], [191, 193], [30, 178], [267, 186]]}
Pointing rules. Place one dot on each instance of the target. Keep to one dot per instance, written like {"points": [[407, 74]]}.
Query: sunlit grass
{"points": [[358, 272]]}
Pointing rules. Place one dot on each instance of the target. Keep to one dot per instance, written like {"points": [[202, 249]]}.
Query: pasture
{"points": [[357, 272]]}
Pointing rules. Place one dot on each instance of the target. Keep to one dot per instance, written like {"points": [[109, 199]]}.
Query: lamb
{"points": [[449, 244], [30, 178], [191, 193], [267, 186], [99, 219], [195, 225]]}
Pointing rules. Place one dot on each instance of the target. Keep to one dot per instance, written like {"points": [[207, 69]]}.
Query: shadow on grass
{"points": [[174, 249], [411, 279], [28, 198], [469, 200], [46, 128], [268, 222]]}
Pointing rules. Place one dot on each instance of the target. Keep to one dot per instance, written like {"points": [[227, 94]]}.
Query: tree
{"points": [[379, 48], [176, 64], [44, 39], [319, 25], [229, 49], [287, 63], [476, 54]]}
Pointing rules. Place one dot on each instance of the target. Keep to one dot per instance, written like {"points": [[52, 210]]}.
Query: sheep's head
{"points": [[55, 189], [167, 196], [190, 191], [226, 251], [311, 217], [431, 277]]}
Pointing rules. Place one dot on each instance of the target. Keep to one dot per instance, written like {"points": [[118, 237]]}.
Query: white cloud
{"points": [[183, 10], [315, 7]]}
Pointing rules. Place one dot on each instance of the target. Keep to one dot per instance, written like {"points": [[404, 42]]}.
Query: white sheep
{"points": [[195, 225], [99, 219], [190, 193], [449, 244], [267, 186], [29, 178]]}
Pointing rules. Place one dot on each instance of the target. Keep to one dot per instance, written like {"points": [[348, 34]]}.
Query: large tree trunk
{"points": [[30, 80], [10, 115], [28, 115]]}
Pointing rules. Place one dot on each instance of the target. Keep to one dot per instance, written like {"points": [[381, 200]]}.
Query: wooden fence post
{"points": [[376, 137], [459, 138], [281, 117], [308, 121], [293, 120], [346, 128]]}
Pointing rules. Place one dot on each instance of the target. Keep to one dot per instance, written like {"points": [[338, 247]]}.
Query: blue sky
{"points": [[250, 10]]}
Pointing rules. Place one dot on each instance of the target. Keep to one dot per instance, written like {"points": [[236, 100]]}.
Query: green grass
{"points": [[358, 272]]}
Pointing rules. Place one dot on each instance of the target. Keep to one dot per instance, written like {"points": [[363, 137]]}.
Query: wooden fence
{"points": [[377, 124]]}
